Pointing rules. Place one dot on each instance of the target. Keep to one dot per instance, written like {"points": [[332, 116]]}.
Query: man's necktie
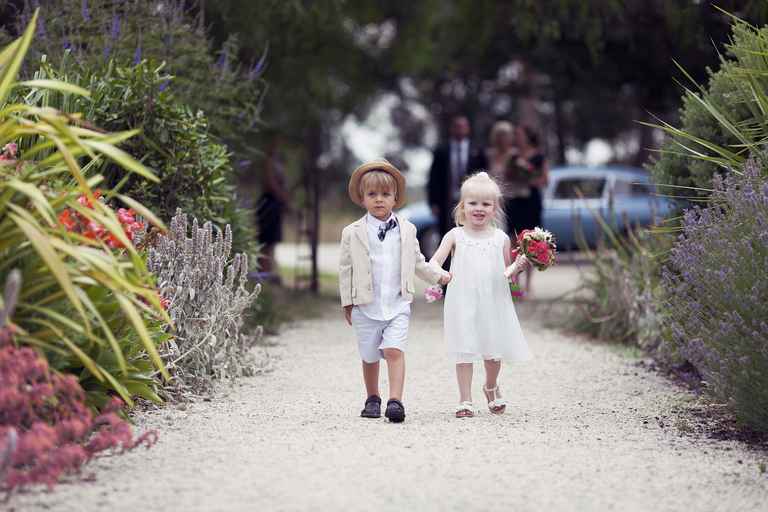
{"points": [[386, 227]]}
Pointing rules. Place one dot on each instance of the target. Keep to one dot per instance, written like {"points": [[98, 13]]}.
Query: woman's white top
{"points": [[479, 316]]}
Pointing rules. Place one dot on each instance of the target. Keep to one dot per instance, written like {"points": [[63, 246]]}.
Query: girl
{"points": [[479, 318]]}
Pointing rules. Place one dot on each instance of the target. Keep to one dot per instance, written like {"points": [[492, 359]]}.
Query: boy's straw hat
{"points": [[377, 165]]}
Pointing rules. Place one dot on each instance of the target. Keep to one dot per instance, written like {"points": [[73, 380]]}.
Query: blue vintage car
{"points": [[623, 196]]}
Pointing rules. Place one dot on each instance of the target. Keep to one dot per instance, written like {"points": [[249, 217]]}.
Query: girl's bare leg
{"points": [[492, 370], [464, 378], [371, 378]]}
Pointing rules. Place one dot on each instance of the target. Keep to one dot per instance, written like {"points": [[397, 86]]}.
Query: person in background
{"points": [[451, 163], [525, 211], [270, 208]]}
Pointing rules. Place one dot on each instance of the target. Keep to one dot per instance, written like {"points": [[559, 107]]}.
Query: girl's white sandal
{"points": [[465, 410], [498, 405]]}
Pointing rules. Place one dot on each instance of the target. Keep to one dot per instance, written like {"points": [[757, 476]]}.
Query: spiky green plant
{"points": [[724, 122], [81, 302]]}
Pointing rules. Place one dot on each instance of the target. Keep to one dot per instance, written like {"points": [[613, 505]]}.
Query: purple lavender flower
{"points": [[164, 85], [717, 286], [137, 52], [223, 60], [257, 68], [85, 12], [114, 31], [41, 27]]}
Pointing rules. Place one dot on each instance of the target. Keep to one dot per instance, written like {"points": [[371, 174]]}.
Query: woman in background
{"points": [[270, 208], [525, 209]]}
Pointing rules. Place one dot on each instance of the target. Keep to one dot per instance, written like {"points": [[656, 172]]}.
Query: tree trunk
{"points": [[313, 183]]}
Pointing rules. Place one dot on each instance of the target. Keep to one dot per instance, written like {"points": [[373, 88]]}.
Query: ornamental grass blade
{"points": [[133, 315], [143, 211], [37, 199], [11, 69], [57, 267], [84, 358], [122, 158], [121, 390], [105, 329], [54, 85]]}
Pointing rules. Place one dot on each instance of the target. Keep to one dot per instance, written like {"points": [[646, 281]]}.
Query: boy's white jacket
{"points": [[355, 277]]}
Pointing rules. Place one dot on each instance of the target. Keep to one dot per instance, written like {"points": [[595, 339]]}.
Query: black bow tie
{"points": [[386, 227]]}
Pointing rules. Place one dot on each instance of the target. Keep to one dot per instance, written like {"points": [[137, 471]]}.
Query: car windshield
{"points": [[574, 188]]}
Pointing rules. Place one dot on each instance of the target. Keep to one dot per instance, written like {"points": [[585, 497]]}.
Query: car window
{"points": [[628, 188], [639, 189], [570, 188]]}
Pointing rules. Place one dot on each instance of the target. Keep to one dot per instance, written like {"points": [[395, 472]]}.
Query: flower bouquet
{"points": [[433, 293], [520, 171], [534, 246]]}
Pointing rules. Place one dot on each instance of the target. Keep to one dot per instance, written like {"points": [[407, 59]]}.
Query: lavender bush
{"points": [[717, 285], [206, 294]]}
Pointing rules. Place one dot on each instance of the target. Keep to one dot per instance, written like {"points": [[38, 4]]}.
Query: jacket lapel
{"points": [[361, 231], [403, 239]]}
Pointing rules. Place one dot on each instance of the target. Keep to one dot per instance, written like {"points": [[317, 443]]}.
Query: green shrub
{"points": [[84, 304], [719, 121], [194, 169], [208, 79]]}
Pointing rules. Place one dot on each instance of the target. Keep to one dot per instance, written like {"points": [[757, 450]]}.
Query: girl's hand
{"points": [[348, 314], [445, 279], [518, 266]]}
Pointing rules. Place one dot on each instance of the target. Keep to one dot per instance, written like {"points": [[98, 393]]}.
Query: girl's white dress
{"points": [[479, 317]]}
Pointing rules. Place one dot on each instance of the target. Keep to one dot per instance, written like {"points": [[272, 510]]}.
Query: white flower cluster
{"points": [[208, 295], [540, 234]]}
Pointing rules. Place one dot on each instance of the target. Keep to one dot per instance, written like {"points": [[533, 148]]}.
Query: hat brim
{"points": [[377, 165]]}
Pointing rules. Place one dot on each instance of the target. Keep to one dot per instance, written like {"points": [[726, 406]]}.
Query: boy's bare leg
{"points": [[371, 378], [396, 370], [464, 378]]}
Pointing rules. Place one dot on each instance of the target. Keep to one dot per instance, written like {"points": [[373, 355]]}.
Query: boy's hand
{"points": [[445, 279], [348, 314]]}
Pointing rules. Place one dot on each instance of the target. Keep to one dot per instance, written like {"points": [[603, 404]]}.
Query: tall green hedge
{"points": [[683, 162]]}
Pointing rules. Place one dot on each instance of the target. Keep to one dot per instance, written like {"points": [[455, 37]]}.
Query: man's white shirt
{"points": [[459, 157]]}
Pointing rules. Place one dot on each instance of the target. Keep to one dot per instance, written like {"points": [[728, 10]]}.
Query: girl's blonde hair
{"points": [[377, 180], [481, 186]]}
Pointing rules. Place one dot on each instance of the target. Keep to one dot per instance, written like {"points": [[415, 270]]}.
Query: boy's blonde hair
{"points": [[481, 186], [377, 180]]}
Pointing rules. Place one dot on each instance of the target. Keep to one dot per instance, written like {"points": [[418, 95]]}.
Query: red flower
{"points": [[83, 200], [66, 219], [126, 216]]}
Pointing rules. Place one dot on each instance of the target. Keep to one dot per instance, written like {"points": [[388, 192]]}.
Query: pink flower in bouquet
{"points": [[433, 293]]}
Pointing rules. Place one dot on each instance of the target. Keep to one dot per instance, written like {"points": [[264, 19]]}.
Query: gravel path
{"points": [[581, 434]]}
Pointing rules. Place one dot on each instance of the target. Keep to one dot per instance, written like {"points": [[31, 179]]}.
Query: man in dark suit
{"points": [[451, 163]]}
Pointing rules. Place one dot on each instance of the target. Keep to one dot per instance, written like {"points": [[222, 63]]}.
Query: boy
{"points": [[379, 256]]}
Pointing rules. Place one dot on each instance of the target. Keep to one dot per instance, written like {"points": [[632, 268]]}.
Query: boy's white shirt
{"points": [[356, 278], [388, 301]]}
